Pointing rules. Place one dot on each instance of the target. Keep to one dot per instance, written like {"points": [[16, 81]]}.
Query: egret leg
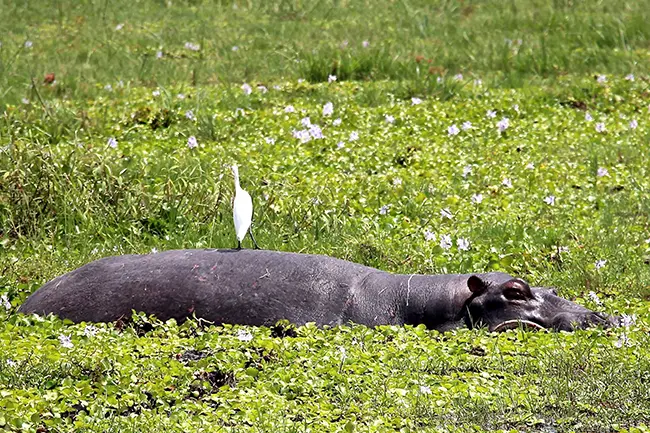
{"points": [[250, 232], [238, 244]]}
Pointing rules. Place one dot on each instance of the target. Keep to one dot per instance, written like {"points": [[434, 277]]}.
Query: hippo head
{"points": [[499, 305]]}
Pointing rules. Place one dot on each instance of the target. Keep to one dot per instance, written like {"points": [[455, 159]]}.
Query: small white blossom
{"points": [[477, 198], [416, 101], [446, 213], [600, 127], [344, 44], [4, 300], [445, 242], [181, 96], [302, 135], [491, 114], [289, 109], [112, 142], [601, 78], [119, 27], [466, 126], [478, 82], [234, 48], [108, 88], [628, 320], [154, 250], [503, 124], [189, 114], [365, 44], [244, 335], [429, 235], [389, 119], [458, 77], [550, 200], [28, 44], [439, 80], [530, 166], [91, 330], [155, 93], [634, 124], [354, 136], [262, 89], [600, 264], [453, 130], [336, 122], [425, 389], [316, 132], [159, 54], [593, 297], [462, 244], [192, 46], [11, 363], [506, 182], [340, 145], [629, 77], [331, 78], [623, 340], [562, 250], [384, 209], [516, 107], [397, 181], [191, 142], [306, 122], [328, 109], [467, 170], [66, 341], [602, 172], [588, 117], [269, 140], [247, 89]]}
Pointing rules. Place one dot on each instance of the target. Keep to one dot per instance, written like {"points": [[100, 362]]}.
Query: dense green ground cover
{"points": [[98, 163]]}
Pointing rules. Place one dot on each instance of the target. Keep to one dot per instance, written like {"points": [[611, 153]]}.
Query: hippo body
{"points": [[257, 287]]}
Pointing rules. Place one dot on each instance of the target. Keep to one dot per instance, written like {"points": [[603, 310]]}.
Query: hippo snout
{"points": [[572, 321]]}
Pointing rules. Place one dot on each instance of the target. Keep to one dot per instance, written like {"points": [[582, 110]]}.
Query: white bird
{"points": [[242, 211]]}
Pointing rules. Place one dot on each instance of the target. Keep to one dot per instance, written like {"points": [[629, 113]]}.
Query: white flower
{"points": [[239, 112], [247, 89], [600, 264], [301, 80], [365, 44], [416, 101], [306, 122], [623, 340], [244, 335], [277, 87], [506, 182], [181, 96], [397, 181], [28, 44], [429, 235], [289, 109], [458, 77], [25, 101], [192, 46], [234, 48], [108, 88], [302, 135], [477, 198], [478, 82], [340, 145], [425, 389], [530, 166], [316, 132], [453, 130], [491, 114], [4, 300], [445, 242], [191, 142], [159, 54], [594, 298], [439, 80], [503, 124], [154, 250], [336, 122], [66, 341], [629, 77], [91, 330], [600, 127], [155, 93], [588, 117], [328, 109], [262, 89], [119, 27], [446, 213], [389, 119], [633, 124], [269, 140], [516, 107], [189, 114], [462, 244], [466, 126], [344, 44], [354, 136], [467, 170], [628, 320], [112, 142], [602, 172], [331, 78], [384, 209], [601, 78], [11, 363], [550, 200]]}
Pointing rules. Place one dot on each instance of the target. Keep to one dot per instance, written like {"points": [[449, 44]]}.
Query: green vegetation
{"points": [[97, 163]]}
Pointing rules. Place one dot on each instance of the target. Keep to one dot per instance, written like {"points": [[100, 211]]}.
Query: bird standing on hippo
{"points": [[257, 287]]}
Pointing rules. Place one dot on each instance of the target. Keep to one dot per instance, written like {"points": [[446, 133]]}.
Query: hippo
{"points": [[258, 287]]}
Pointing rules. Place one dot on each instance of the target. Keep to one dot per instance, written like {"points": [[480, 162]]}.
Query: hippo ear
{"points": [[476, 285], [517, 289]]}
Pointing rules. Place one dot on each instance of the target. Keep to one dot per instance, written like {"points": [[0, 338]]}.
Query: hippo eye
{"points": [[514, 294]]}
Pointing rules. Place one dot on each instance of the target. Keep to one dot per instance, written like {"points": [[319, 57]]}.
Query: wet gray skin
{"points": [[493, 304]]}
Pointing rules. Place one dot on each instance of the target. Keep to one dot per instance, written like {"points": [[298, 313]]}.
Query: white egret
{"points": [[242, 211]]}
